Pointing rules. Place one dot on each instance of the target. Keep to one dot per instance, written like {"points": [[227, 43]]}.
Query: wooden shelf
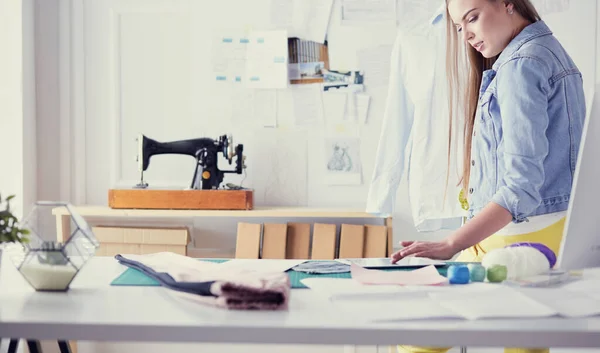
{"points": [[302, 212]]}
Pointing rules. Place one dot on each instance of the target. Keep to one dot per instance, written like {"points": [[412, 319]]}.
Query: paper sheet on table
{"points": [[588, 285], [306, 19], [267, 59], [348, 288], [260, 265], [367, 303], [394, 310], [424, 276], [566, 303], [502, 302], [360, 12]]}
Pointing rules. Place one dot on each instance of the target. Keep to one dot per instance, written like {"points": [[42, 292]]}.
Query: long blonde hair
{"points": [[476, 65]]}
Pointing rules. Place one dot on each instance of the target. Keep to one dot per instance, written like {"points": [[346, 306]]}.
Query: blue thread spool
{"points": [[458, 274], [477, 272]]}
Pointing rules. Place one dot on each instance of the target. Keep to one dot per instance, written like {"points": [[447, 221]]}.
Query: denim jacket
{"points": [[528, 128]]}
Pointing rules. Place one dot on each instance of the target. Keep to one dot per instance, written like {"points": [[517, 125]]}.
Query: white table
{"points": [[93, 310]]}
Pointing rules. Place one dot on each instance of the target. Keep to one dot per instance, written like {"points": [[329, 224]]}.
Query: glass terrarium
{"points": [[47, 263]]}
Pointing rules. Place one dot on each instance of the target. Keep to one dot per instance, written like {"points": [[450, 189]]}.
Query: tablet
{"points": [[384, 262]]}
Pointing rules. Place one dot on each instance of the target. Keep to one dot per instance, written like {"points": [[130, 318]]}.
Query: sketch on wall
{"points": [[342, 161]]}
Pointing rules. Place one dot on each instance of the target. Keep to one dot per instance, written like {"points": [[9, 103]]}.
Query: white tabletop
{"points": [[94, 310]]}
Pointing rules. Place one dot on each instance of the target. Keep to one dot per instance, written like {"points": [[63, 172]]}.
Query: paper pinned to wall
{"points": [[414, 12], [342, 165], [265, 107], [308, 104], [305, 19], [282, 14], [357, 108], [242, 102], [360, 12], [375, 63], [229, 48], [545, 7], [279, 170], [312, 19], [334, 106], [267, 59]]}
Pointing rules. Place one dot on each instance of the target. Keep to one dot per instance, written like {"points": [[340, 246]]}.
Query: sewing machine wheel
{"points": [[230, 152]]}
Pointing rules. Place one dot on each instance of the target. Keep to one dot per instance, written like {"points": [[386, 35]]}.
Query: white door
{"points": [[17, 105]]}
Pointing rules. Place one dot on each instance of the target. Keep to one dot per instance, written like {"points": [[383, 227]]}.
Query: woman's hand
{"points": [[491, 219], [437, 250]]}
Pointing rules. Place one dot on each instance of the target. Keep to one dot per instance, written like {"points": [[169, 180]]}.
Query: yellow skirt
{"points": [[550, 236]]}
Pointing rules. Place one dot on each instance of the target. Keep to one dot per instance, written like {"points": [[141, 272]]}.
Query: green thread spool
{"points": [[496, 273], [477, 272]]}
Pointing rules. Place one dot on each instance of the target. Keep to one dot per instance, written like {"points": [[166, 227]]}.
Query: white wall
{"points": [[75, 118]]}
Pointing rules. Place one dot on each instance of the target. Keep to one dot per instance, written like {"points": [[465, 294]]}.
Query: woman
{"points": [[524, 115]]}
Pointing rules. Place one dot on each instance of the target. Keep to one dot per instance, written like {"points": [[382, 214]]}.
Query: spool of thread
{"points": [[477, 272], [496, 273], [458, 274]]}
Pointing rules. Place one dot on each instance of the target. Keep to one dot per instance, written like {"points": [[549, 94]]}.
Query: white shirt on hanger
{"points": [[414, 133]]}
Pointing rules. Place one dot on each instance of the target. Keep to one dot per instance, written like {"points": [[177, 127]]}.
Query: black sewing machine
{"points": [[207, 175]]}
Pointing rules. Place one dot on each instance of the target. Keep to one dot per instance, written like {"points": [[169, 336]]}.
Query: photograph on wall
{"points": [[308, 61]]}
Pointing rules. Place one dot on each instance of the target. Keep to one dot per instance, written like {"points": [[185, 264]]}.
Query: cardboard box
{"points": [[274, 241], [324, 241], [130, 240]]}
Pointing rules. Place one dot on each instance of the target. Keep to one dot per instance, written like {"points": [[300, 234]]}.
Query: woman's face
{"points": [[485, 25]]}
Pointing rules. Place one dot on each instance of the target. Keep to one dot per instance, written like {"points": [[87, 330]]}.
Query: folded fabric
{"points": [[205, 282], [322, 267]]}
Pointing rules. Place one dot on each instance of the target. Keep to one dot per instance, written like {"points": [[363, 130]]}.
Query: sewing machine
{"points": [[207, 175], [204, 192]]}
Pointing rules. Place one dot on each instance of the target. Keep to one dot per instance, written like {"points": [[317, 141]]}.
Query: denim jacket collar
{"points": [[534, 30]]}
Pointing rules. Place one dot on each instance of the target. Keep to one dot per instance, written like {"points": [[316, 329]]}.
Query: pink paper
{"points": [[423, 276]]}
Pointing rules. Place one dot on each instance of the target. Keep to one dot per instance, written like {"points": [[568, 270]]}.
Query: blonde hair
{"points": [[476, 65]]}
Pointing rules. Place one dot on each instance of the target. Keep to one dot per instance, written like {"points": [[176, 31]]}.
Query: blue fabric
{"points": [[165, 280], [528, 128]]}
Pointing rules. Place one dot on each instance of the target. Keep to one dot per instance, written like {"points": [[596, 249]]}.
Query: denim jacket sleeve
{"points": [[394, 138], [523, 100]]}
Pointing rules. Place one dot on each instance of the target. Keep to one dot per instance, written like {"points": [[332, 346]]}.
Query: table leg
{"points": [[63, 228], [463, 349], [13, 345], [64, 347], [63, 232], [34, 346]]}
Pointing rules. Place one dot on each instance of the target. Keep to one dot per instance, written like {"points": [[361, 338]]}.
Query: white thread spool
{"points": [[521, 261]]}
